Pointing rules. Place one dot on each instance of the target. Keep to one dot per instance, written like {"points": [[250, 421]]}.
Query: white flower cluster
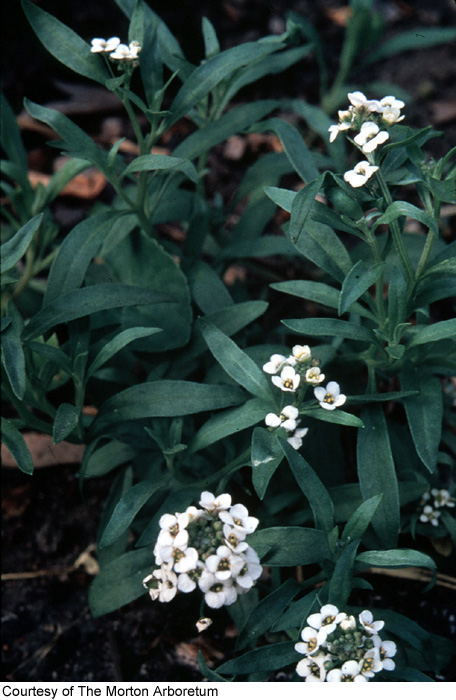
{"points": [[116, 50], [431, 513], [205, 547], [289, 373], [368, 117], [340, 648]]}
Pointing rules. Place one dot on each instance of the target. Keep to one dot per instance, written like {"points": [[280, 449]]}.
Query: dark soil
{"points": [[48, 632]]}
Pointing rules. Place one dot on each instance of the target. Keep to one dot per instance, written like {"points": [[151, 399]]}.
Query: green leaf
{"points": [[267, 612], [341, 582], [297, 613], [207, 289], [158, 161], [434, 332], [208, 673], [312, 488], [396, 559], [424, 413], [361, 519], [13, 250], [12, 352], [11, 139], [136, 28], [268, 658], [357, 282], [97, 462], [86, 301], [126, 510], [320, 293], [377, 474], [233, 122], [227, 423], [415, 39], [210, 73], [75, 140], [66, 419], [76, 252], [295, 147], [166, 398], [332, 327], [17, 446], [236, 363], [266, 456], [117, 343], [339, 417], [398, 209], [64, 44], [120, 581], [290, 546]]}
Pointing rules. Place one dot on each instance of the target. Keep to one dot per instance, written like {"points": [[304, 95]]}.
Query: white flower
{"points": [[349, 672], [295, 440], [224, 564], [360, 101], [360, 173], [203, 623], [314, 376], [121, 53], [135, 48], [367, 621], [286, 419], [333, 132], [104, 45], [173, 530], [194, 513], [300, 353], [370, 663], [213, 504], [234, 539], [312, 668], [386, 650], [328, 617], [250, 571], [288, 380], [391, 115], [240, 521], [217, 593], [370, 137], [275, 364], [442, 498], [429, 515], [166, 584], [391, 101], [187, 562], [187, 581], [312, 639], [330, 398], [348, 624]]}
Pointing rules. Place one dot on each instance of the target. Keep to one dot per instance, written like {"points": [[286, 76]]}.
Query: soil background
{"points": [[47, 630]]}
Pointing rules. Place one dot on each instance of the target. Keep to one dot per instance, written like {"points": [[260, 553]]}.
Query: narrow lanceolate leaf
{"points": [[266, 456], [267, 658], [290, 546], [16, 444], [89, 300], [311, 486], [162, 162], [330, 326], [120, 581], [398, 209], [320, 293], [377, 475], [341, 581], [126, 510], [396, 559], [434, 332], [12, 352], [117, 343], [424, 414], [235, 362], [358, 281], [228, 423], [166, 398], [66, 419], [64, 44], [295, 147], [360, 520], [13, 250]]}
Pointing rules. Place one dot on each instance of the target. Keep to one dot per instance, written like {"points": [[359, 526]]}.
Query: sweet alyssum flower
{"points": [[126, 54], [295, 440], [104, 45], [205, 548], [442, 498], [338, 648], [275, 364], [288, 380], [314, 375], [286, 419], [360, 102], [429, 515], [360, 173], [330, 397], [370, 137]]}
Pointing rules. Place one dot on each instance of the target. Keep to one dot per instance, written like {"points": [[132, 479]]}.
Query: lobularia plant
{"points": [[137, 332]]}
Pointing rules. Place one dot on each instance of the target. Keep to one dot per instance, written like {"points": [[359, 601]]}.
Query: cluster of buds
{"points": [[294, 372], [205, 548], [368, 117], [340, 648], [432, 503], [116, 51]]}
